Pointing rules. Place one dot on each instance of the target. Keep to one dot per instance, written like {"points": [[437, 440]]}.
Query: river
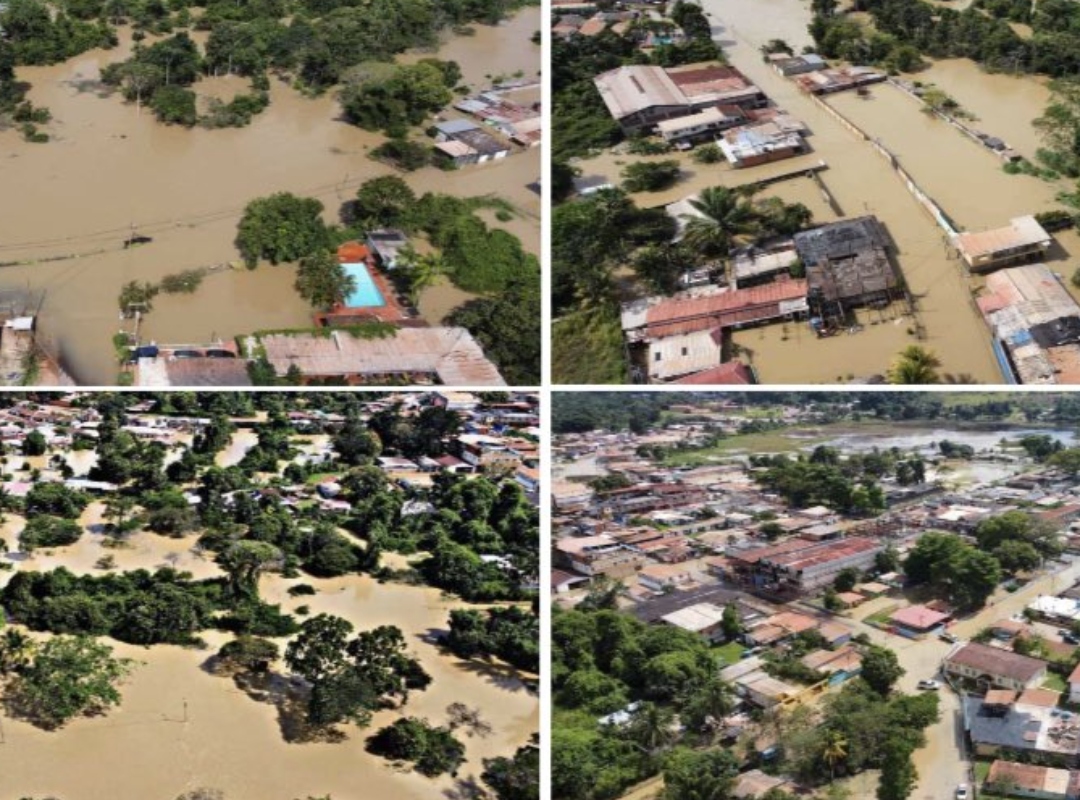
{"points": [[110, 167]]}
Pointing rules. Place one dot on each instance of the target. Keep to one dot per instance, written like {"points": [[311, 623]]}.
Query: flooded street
{"points": [[862, 182], [938, 156], [191, 729], [110, 169]]}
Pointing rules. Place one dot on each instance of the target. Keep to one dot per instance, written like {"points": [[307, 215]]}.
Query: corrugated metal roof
{"points": [[1020, 232], [681, 309], [450, 353], [630, 89]]}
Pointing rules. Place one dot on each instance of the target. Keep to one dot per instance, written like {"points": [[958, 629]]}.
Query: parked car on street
{"points": [[929, 684]]}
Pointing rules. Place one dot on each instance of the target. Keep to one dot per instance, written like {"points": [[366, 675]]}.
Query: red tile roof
{"points": [[728, 374], [918, 617], [999, 663], [353, 253], [684, 315]]}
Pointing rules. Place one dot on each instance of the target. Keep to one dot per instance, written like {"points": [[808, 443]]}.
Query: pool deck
{"points": [[393, 310]]}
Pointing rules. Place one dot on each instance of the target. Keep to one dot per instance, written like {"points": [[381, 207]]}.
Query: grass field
{"points": [[730, 652], [772, 442], [1055, 683]]}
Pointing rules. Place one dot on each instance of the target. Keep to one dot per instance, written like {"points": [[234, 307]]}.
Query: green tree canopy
{"points": [[280, 228], [69, 676]]}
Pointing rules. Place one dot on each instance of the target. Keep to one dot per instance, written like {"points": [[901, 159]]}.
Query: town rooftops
{"points": [[997, 662], [199, 371], [840, 240], [1000, 697], [845, 659], [713, 115], [756, 140], [800, 554], [1031, 780], [1020, 727], [633, 88], [453, 127], [709, 81], [696, 618], [1074, 676], [481, 141], [455, 149], [1037, 696], [576, 545]]}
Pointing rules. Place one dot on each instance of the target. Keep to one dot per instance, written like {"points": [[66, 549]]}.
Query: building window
{"points": [[657, 356], [685, 351]]}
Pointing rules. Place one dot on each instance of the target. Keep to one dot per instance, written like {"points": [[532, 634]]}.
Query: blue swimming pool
{"points": [[366, 294]]}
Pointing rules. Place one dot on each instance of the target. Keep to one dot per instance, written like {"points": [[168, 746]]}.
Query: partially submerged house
{"points": [[1035, 323], [386, 245], [1022, 240], [639, 97], [788, 65], [683, 334], [466, 142], [840, 79], [448, 356], [702, 125], [847, 265], [757, 144]]}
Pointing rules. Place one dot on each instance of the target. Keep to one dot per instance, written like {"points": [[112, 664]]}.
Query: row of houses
{"points": [[847, 265]]}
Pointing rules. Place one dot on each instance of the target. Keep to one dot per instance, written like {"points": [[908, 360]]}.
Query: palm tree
{"points": [[724, 218], [914, 365], [423, 272], [652, 727], [835, 750], [708, 706]]}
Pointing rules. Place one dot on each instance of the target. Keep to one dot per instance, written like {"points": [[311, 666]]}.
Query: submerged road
{"points": [[861, 182]]}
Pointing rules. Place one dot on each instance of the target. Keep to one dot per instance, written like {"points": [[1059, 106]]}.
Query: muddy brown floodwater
{"points": [[861, 182], [180, 727], [111, 167]]}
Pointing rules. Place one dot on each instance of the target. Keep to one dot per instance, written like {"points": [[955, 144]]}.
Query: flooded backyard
{"points": [[111, 169]]}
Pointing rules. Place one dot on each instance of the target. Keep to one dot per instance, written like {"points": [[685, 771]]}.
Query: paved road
{"points": [[942, 764]]}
